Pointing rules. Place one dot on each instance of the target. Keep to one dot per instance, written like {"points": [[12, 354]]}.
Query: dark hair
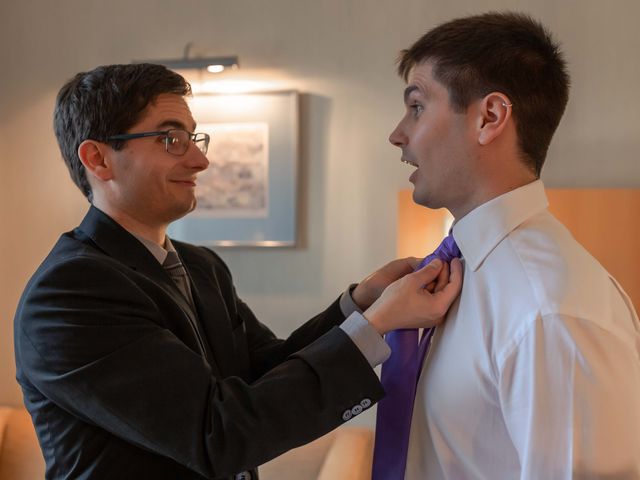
{"points": [[107, 101], [506, 52]]}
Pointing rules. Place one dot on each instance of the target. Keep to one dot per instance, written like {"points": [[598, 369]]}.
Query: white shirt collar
{"points": [[482, 229], [156, 250]]}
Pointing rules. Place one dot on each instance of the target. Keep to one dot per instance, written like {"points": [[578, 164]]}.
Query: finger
{"points": [[453, 287], [443, 278], [413, 262], [398, 268], [431, 287], [456, 270], [428, 273]]}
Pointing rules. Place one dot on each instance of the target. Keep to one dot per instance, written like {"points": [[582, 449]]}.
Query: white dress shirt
{"points": [[536, 372]]}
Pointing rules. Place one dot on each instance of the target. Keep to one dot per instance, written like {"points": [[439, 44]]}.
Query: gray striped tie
{"points": [[178, 274]]}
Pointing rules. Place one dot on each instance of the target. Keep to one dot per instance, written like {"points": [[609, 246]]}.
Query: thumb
{"points": [[414, 262], [428, 273]]}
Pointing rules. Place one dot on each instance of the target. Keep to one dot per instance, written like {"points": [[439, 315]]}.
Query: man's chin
{"points": [[182, 212], [421, 198]]}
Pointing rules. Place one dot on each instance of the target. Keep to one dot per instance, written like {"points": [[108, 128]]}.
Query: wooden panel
{"points": [[605, 221]]}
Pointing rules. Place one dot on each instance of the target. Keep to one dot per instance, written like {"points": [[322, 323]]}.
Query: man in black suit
{"points": [[135, 355]]}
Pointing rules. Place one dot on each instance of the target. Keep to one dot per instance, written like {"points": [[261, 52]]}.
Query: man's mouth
{"points": [[409, 162], [188, 181]]}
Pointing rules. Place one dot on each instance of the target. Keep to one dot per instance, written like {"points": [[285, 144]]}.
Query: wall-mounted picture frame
{"points": [[247, 196]]}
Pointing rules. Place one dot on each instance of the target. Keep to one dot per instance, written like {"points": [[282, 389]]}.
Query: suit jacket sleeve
{"points": [[100, 347], [260, 346]]}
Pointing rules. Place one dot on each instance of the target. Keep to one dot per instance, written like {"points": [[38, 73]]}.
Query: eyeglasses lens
{"points": [[202, 142], [178, 141]]}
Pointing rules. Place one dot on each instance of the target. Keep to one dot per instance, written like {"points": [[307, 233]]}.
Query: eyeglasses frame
{"points": [[192, 136]]}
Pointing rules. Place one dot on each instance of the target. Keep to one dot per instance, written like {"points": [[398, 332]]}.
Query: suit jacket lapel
{"points": [[116, 242]]}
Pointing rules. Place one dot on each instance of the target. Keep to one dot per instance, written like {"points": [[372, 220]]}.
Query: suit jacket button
{"points": [[365, 403], [243, 476], [347, 415], [357, 410]]}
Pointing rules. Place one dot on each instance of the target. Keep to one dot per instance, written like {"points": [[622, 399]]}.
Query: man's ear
{"points": [[93, 156], [495, 114]]}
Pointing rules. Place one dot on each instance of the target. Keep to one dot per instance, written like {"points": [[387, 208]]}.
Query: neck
{"points": [[135, 223], [495, 184]]}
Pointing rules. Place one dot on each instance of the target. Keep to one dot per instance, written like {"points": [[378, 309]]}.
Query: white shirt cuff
{"points": [[347, 305], [367, 339]]}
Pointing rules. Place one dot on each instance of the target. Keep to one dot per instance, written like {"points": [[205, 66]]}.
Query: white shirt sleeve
{"points": [[562, 390]]}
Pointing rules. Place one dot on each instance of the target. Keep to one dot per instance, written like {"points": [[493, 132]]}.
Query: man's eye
{"points": [[172, 140], [416, 108]]}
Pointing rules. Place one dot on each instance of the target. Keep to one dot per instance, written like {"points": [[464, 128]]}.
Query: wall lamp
{"points": [[210, 64]]}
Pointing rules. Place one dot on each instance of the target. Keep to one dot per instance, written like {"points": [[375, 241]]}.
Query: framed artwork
{"points": [[247, 196]]}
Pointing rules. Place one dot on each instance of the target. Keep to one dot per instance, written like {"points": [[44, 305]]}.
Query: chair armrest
{"points": [[350, 456], [302, 463], [20, 455]]}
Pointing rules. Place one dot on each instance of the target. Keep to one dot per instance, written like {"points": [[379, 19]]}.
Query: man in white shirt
{"points": [[535, 373]]}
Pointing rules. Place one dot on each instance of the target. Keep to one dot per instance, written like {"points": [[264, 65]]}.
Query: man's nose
{"points": [[397, 137], [196, 159]]}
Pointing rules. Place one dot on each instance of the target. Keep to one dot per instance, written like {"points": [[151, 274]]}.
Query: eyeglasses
{"points": [[176, 140]]}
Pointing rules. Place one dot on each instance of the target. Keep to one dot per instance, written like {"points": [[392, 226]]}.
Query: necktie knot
{"points": [[446, 251], [173, 265]]}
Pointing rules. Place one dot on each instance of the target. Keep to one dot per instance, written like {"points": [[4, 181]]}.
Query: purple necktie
{"points": [[399, 378]]}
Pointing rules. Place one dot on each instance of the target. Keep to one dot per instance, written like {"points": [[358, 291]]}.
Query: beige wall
{"points": [[341, 53]]}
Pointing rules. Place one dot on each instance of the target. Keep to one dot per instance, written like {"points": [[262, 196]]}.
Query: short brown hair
{"points": [[107, 101], [506, 52]]}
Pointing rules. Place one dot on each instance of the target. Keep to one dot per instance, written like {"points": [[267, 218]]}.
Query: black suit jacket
{"points": [[124, 380]]}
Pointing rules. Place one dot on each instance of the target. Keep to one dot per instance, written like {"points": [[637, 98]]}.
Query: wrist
{"points": [[376, 319]]}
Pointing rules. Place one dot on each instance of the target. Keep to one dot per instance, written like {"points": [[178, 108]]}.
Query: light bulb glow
{"points": [[215, 68]]}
